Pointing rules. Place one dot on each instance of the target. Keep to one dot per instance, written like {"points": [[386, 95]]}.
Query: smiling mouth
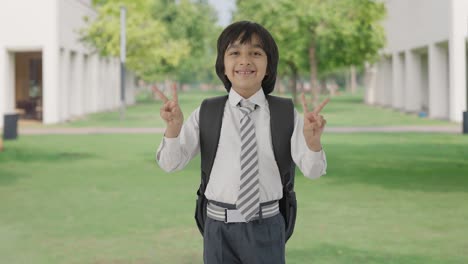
{"points": [[245, 72]]}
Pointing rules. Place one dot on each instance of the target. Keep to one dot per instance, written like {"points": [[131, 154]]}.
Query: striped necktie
{"points": [[248, 200]]}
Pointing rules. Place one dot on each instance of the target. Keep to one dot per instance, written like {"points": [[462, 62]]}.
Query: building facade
{"points": [[423, 67], [46, 73]]}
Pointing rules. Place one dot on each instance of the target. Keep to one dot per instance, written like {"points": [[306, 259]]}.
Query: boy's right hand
{"points": [[171, 113]]}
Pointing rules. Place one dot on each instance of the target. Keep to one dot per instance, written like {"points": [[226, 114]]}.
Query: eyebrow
{"points": [[235, 46]]}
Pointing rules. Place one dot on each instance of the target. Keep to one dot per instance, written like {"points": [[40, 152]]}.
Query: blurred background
{"points": [[80, 126]]}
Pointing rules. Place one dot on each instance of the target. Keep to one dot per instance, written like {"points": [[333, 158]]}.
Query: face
{"points": [[245, 66]]}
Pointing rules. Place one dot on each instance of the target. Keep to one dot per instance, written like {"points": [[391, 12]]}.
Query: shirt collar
{"points": [[258, 98]]}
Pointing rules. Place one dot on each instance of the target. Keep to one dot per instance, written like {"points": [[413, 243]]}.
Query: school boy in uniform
{"points": [[244, 223]]}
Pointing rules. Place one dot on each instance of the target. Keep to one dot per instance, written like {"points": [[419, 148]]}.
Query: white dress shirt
{"points": [[175, 153]]}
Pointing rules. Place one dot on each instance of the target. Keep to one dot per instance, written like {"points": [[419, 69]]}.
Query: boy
{"points": [[244, 224]]}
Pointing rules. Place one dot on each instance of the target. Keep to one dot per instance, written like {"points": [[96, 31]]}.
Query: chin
{"points": [[248, 88]]}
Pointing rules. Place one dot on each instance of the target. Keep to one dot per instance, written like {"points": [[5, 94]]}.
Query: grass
{"points": [[343, 110], [387, 198]]}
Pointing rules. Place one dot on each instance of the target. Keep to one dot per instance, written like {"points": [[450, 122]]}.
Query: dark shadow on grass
{"points": [[417, 167], [15, 154], [16, 157], [327, 253]]}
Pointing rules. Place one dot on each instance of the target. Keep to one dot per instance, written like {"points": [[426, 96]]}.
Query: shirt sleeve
{"points": [[312, 164], [174, 154]]}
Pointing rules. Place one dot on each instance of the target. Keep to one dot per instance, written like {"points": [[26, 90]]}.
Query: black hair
{"points": [[244, 31]]}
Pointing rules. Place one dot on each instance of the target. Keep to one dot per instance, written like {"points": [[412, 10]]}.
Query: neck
{"points": [[246, 93]]}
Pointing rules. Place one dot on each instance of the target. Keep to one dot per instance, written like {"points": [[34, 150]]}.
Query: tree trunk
{"points": [[293, 81], [313, 74], [347, 81], [353, 80], [322, 85]]}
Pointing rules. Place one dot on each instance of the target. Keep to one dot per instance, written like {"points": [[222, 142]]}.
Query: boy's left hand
{"points": [[314, 123]]}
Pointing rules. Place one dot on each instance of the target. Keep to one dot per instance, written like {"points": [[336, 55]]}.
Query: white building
{"points": [[423, 67], [45, 72]]}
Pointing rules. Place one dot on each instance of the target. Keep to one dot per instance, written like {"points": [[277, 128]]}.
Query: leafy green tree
{"points": [[149, 45], [195, 22], [322, 35], [165, 38]]}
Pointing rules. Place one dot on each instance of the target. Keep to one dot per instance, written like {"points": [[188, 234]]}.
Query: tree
{"points": [[330, 34], [195, 22], [165, 38], [341, 34], [149, 46]]}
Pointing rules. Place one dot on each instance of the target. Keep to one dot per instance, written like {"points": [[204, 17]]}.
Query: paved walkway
{"points": [[147, 130]]}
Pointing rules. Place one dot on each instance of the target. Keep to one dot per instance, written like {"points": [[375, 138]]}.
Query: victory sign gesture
{"points": [[170, 112], [314, 123]]}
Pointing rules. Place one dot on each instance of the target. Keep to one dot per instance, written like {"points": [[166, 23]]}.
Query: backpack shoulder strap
{"points": [[282, 127], [210, 120]]}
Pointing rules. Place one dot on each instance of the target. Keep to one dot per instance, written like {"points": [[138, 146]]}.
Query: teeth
{"points": [[245, 72]]}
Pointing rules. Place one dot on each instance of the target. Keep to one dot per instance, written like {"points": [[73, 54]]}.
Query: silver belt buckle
{"points": [[234, 216]]}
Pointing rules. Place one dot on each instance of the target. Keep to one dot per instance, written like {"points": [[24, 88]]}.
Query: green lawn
{"points": [[344, 110], [387, 198]]}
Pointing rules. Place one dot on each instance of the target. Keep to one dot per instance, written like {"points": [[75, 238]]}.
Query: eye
{"points": [[257, 53], [233, 53]]}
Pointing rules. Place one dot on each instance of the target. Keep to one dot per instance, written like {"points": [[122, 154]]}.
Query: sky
{"points": [[224, 8]]}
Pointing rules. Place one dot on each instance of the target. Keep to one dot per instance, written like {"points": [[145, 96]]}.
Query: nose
{"points": [[244, 60]]}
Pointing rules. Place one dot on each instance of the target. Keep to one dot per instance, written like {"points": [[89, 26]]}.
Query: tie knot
{"points": [[246, 106]]}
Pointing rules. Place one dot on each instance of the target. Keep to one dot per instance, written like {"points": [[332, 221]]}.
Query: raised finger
{"points": [[321, 106], [160, 94], [304, 104]]}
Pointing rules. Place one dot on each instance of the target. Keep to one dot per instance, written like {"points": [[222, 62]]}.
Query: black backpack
{"points": [[281, 126]]}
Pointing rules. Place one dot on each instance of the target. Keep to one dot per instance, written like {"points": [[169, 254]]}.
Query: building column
{"points": [[457, 60], [115, 83], [370, 83], [413, 86], [78, 84], [85, 85], [3, 82], [398, 81], [51, 84], [72, 85], [380, 82], [64, 106], [108, 84], [7, 82], [102, 88], [94, 82], [438, 82], [388, 81]]}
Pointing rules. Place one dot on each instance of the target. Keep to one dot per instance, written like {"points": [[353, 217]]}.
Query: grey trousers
{"points": [[256, 242]]}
